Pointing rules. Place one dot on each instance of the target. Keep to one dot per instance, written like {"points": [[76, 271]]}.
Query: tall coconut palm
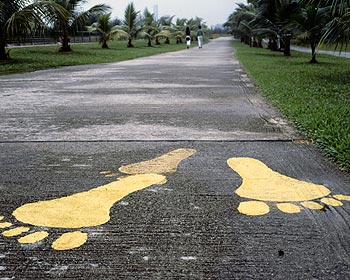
{"points": [[104, 26], [18, 17], [76, 18]]}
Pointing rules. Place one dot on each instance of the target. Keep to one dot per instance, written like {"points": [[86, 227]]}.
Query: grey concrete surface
{"points": [[189, 95], [60, 128], [334, 53]]}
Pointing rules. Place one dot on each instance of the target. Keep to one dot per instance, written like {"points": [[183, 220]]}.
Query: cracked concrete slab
{"points": [[68, 131], [189, 94]]}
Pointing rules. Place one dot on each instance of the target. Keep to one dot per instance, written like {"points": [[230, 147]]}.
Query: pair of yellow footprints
{"points": [[91, 208]]}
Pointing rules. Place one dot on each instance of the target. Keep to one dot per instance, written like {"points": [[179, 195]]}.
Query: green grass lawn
{"points": [[316, 97], [36, 58]]}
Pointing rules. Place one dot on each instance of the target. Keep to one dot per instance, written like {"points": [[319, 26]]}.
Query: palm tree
{"points": [[18, 17], [165, 33], [311, 22], [337, 30], [75, 19], [170, 30], [150, 27], [166, 29], [272, 20], [131, 23], [240, 20], [193, 24], [106, 29], [179, 29]]}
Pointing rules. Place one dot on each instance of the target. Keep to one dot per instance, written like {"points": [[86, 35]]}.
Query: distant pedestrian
{"points": [[188, 37], [200, 36]]}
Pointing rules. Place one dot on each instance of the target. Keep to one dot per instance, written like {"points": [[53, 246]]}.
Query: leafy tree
{"points": [[104, 26]]}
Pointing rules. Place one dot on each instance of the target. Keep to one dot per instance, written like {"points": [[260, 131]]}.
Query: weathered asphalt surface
{"points": [[60, 128]]}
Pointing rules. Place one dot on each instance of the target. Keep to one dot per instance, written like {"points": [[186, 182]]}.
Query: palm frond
{"points": [[337, 31], [119, 33], [265, 32], [164, 34], [79, 19], [130, 16], [19, 22], [39, 12]]}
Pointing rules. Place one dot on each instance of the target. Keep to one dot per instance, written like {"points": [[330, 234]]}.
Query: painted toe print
{"points": [[86, 209], [263, 185]]}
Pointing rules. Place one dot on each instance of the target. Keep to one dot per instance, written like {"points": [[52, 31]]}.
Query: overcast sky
{"points": [[212, 11]]}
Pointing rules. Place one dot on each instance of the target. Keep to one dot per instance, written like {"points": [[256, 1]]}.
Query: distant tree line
{"points": [[278, 21], [61, 19]]}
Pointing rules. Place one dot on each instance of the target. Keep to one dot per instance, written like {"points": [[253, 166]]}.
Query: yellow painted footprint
{"points": [[264, 185], [89, 208]]}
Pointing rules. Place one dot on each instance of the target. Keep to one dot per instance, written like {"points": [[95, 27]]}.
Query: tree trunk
{"points": [[269, 44], [3, 54], [157, 41], [167, 41], [313, 51], [65, 41], [286, 40], [260, 43], [256, 42], [130, 45], [149, 42], [273, 46], [104, 45], [246, 40]]}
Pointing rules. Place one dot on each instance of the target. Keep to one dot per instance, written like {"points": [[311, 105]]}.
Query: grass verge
{"points": [[316, 97], [34, 58]]}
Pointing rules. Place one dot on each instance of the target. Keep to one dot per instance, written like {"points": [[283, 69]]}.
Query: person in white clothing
{"points": [[188, 37], [200, 36]]}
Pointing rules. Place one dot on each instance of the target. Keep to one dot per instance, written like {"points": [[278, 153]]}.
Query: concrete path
{"points": [[334, 53], [245, 197]]}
